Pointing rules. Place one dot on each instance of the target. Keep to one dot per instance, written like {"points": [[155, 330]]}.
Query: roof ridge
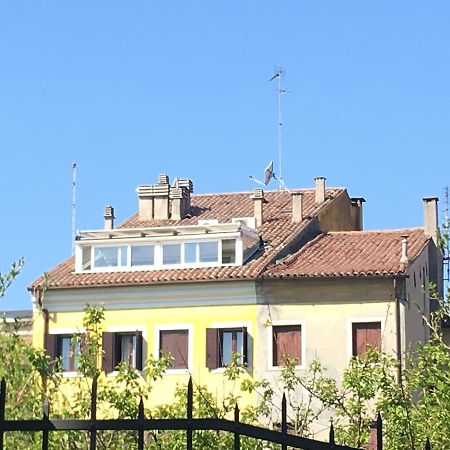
{"points": [[395, 230]]}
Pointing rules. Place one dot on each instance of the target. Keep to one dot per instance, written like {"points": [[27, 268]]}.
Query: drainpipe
{"points": [[398, 333]]}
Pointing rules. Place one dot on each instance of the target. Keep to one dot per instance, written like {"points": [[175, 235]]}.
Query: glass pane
{"points": [[209, 251], [228, 251], [142, 255], [106, 256], [190, 255], [86, 258], [64, 352], [171, 253], [227, 347], [127, 349], [76, 354], [123, 256]]}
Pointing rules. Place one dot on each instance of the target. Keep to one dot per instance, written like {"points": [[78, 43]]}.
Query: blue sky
{"points": [[129, 90]]}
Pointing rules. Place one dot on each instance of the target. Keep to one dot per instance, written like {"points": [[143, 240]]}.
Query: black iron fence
{"points": [[189, 425]]}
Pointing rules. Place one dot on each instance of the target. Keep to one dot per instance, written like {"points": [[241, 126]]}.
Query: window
{"points": [[110, 256], [122, 348], [221, 343], [171, 253], [286, 343], [175, 343], [142, 255], [62, 346], [158, 255], [365, 335]]}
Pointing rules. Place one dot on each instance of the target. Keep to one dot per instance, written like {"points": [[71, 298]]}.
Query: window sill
{"points": [[72, 374], [177, 372], [280, 368]]}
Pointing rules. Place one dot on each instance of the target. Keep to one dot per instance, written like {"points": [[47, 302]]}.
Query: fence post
{"points": [[237, 439], [376, 434], [93, 435], [141, 425], [189, 415], [331, 435], [2, 409], [45, 418], [427, 445], [284, 419]]}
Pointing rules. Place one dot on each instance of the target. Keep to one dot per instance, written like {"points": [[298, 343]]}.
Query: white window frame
{"points": [[158, 256], [281, 323], [351, 321], [227, 325], [173, 327]]}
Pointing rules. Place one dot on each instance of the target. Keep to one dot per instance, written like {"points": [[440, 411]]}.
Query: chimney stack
{"points": [[162, 201], [258, 200], [357, 212], [430, 210], [161, 198], [404, 261], [297, 206], [109, 218], [320, 189]]}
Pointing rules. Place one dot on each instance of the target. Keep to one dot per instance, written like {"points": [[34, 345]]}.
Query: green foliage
{"points": [[8, 278]]}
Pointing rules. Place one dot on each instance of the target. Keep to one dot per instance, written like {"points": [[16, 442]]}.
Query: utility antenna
{"points": [[447, 241], [74, 204], [278, 75]]}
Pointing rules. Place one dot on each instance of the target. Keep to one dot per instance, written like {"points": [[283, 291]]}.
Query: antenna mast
{"points": [[74, 204], [280, 91], [447, 241]]}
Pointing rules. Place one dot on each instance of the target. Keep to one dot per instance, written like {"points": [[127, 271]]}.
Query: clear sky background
{"points": [[133, 89]]}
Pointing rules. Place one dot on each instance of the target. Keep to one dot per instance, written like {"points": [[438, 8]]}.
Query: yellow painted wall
{"points": [[199, 318]]}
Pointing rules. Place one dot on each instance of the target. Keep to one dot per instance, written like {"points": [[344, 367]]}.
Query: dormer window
{"points": [[164, 247]]}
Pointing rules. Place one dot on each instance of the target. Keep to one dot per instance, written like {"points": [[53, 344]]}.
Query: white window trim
{"points": [[351, 321], [170, 327], [302, 324], [248, 325], [131, 329], [158, 256]]}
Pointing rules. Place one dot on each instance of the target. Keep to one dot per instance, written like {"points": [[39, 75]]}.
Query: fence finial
{"points": [[331, 433], [428, 445]]}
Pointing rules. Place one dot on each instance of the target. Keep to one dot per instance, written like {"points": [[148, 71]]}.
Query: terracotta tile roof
{"points": [[351, 254], [277, 230]]}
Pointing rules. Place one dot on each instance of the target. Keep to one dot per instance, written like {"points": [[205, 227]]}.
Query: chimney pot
{"points": [[258, 200], [163, 179], [320, 189], [297, 206], [430, 210], [109, 217], [404, 261]]}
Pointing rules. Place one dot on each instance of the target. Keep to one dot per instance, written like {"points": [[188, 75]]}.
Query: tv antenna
{"points": [[446, 249], [74, 204], [278, 75]]}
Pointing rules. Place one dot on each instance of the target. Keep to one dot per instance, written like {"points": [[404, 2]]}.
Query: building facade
{"points": [[265, 275]]}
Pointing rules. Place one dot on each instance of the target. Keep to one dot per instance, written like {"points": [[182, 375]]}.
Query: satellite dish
{"points": [[268, 173]]}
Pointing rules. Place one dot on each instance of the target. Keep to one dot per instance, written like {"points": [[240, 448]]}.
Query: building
{"points": [[263, 274], [19, 322]]}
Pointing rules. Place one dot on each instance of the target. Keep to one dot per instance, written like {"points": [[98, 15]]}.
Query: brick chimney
{"points": [[258, 200], [430, 210], [162, 201], [404, 261], [109, 217], [320, 189], [297, 206], [180, 198], [357, 212], [161, 198]]}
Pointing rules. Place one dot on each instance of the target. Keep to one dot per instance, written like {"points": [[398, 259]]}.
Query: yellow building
{"points": [[263, 274]]}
